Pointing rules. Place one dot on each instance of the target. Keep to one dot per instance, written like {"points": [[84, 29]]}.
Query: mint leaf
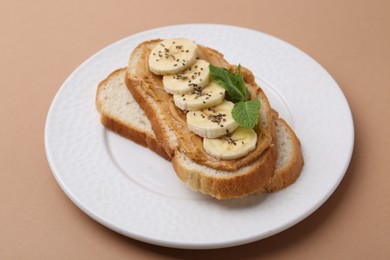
{"points": [[241, 83], [246, 114], [234, 84]]}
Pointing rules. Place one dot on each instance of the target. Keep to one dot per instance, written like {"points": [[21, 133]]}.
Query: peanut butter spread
{"points": [[188, 142]]}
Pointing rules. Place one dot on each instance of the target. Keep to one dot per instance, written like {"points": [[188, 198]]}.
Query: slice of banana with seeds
{"points": [[212, 122], [172, 56], [232, 146], [196, 77], [212, 95]]}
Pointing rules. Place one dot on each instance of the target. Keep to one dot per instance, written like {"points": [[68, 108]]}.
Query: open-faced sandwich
{"points": [[209, 118]]}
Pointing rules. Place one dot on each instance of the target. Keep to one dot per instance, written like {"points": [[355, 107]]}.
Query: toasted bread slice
{"points": [[221, 179], [289, 162], [121, 114]]}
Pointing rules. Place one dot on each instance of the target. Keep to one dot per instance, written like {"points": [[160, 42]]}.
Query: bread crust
{"points": [[137, 136], [236, 185]]}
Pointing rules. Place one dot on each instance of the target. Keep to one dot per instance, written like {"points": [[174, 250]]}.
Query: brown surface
{"points": [[42, 42]]}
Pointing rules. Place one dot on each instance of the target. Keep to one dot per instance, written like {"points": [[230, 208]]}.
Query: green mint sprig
{"points": [[245, 112], [234, 84]]}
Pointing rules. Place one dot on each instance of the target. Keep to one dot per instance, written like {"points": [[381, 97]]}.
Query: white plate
{"points": [[131, 190]]}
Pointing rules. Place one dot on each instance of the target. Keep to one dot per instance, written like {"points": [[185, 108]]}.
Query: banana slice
{"points": [[211, 96], [212, 122], [196, 77], [172, 56], [231, 146]]}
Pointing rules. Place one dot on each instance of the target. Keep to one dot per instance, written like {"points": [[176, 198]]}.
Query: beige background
{"points": [[42, 42]]}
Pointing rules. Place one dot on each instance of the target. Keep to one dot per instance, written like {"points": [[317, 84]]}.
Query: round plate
{"points": [[131, 190]]}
